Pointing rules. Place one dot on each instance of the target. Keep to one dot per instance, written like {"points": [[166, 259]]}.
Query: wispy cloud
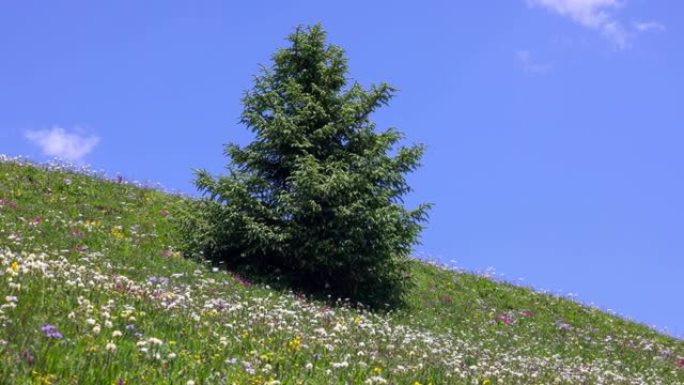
{"points": [[71, 145], [645, 26], [599, 15], [528, 64]]}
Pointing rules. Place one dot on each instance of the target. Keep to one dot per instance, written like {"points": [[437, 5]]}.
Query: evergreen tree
{"points": [[316, 196]]}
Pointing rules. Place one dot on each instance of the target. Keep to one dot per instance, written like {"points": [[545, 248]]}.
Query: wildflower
{"points": [[28, 357], [338, 365], [505, 318], [295, 344], [171, 356], [116, 333], [110, 347], [51, 332], [377, 370], [11, 298], [117, 232], [681, 363], [97, 329], [14, 266], [190, 382]]}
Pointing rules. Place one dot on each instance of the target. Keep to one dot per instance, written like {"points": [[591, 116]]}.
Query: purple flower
{"points": [[159, 280], [26, 355], [51, 332]]}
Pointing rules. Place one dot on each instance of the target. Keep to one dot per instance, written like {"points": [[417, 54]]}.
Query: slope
{"points": [[92, 291]]}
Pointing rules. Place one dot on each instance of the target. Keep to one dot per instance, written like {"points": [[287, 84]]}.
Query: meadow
{"points": [[94, 291]]}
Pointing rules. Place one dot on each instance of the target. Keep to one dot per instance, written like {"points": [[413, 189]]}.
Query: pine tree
{"points": [[316, 196]]}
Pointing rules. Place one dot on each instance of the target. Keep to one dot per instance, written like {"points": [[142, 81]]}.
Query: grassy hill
{"points": [[92, 291]]}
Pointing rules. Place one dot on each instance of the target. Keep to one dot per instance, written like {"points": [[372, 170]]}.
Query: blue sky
{"points": [[553, 127]]}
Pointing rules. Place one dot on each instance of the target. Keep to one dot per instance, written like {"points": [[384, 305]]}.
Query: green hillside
{"points": [[92, 291]]}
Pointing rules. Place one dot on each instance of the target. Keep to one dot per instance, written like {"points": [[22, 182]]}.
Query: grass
{"points": [[92, 291]]}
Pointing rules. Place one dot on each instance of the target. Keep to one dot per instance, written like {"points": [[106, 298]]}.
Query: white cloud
{"points": [[58, 142], [644, 26], [598, 15], [528, 64]]}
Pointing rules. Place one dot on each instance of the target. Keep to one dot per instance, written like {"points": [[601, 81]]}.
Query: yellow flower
{"points": [[14, 266], [295, 344], [117, 232], [377, 371], [486, 381]]}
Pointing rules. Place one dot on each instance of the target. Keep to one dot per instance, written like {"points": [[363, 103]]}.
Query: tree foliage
{"points": [[317, 196]]}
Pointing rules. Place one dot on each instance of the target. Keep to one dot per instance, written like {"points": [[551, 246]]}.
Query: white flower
{"points": [[110, 347], [190, 382], [11, 298], [97, 329], [171, 356], [338, 365], [90, 321], [116, 333]]}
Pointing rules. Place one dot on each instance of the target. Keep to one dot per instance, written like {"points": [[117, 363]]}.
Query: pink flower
{"points": [[242, 280], [526, 313], [680, 363], [505, 318], [36, 221]]}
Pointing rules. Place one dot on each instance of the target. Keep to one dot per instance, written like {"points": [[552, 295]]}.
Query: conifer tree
{"points": [[316, 197]]}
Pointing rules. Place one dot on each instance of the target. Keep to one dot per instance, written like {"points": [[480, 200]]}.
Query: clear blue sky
{"points": [[554, 127]]}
